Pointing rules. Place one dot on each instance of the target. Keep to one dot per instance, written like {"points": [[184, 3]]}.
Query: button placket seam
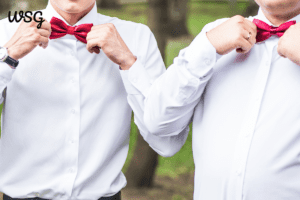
{"points": [[245, 140]]}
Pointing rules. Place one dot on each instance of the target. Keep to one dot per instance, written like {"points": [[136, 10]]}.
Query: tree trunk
{"points": [[142, 167], [158, 22], [141, 170], [108, 4], [252, 9], [4, 8], [177, 16]]}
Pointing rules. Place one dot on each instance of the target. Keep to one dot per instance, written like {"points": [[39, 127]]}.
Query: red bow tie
{"points": [[60, 29], [264, 31]]}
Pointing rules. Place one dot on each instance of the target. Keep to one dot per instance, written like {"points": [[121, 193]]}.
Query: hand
{"points": [[109, 40], [233, 34], [27, 37], [289, 44]]}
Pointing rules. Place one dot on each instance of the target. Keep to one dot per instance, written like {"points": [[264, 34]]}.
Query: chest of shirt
{"points": [[66, 65], [235, 75]]}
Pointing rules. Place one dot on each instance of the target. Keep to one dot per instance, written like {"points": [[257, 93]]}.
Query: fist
{"points": [[289, 44], [235, 33], [27, 37], [109, 40]]}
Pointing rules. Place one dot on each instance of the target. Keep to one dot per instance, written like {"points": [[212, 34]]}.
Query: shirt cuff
{"points": [[136, 80], [201, 57], [6, 73]]}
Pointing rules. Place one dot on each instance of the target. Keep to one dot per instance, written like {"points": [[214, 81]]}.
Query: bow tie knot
{"points": [[71, 30]]}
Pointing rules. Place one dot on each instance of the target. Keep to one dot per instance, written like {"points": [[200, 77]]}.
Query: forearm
{"points": [[170, 104]]}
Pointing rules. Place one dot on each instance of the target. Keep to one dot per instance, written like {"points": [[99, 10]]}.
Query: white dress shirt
{"points": [[245, 110], [67, 114]]}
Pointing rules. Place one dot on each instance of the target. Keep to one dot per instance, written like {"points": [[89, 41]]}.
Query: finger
{"points": [[279, 51], [44, 33], [44, 46], [250, 38], [96, 50], [46, 25], [43, 40], [93, 35], [244, 45], [90, 44], [252, 27]]}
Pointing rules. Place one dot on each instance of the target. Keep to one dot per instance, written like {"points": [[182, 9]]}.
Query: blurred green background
{"points": [[199, 14]]}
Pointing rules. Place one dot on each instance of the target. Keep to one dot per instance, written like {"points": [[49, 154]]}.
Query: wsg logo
{"points": [[27, 17]]}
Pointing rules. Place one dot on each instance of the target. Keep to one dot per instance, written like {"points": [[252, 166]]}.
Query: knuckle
{"points": [[34, 30], [106, 34], [240, 32], [32, 23], [111, 26], [36, 37], [239, 18]]}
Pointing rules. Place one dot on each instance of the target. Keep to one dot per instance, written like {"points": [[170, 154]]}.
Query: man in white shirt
{"points": [[67, 108], [243, 100]]}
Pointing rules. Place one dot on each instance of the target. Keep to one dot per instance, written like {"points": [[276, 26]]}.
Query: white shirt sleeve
{"points": [[171, 100], [138, 81], [6, 71]]}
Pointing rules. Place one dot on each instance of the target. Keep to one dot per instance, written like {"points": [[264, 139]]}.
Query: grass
{"points": [[200, 13]]}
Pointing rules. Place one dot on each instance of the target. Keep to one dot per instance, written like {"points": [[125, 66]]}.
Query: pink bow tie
{"points": [[60, 29], [264, 31]]}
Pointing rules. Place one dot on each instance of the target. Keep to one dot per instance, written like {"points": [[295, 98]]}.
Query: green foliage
{"points": [[178, 197]]}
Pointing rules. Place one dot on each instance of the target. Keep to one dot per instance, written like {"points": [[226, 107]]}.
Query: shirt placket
{"points": [[249, 123], [72, 136]]}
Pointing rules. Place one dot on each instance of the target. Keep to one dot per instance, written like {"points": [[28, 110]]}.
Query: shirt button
{"points": [[207, 61], [71, 170], [73, 111], [72, 141], [238, 172]]}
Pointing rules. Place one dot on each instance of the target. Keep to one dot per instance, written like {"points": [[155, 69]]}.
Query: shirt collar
{"points": [[261, 16], [91, 17]]}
